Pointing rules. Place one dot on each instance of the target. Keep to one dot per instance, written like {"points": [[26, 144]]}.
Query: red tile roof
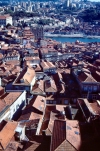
{"points": [[94, 108], [38, 87], [65, 131], [12, 146], [44, 65], [59, 134], [11, 97], [85, 77], [7, 133], [39, 103], [50, 86], [29, 75], [4, 16]]}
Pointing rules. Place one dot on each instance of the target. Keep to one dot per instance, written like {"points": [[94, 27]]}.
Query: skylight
{"points": [[77, 133]]}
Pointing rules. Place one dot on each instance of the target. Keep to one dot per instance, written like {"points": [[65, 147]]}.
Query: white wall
{"points": [[33, 82], [5, 116], [13, 108], [9, 20], [18, 102]]}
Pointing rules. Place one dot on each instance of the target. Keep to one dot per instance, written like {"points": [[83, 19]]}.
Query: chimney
{"points": [[22, 80], [62, 115], [20, 133], [43, 133]]}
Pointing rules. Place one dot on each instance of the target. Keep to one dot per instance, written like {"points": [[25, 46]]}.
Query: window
{"points": [[27, 88], [85, 88], [74, 100], [17, 87], [85, 96], [51, 102], [54, 102], [17, 106], [14, 110], [66, 101], [90, 88], [47, 102], [94, 96], [95, 88]]}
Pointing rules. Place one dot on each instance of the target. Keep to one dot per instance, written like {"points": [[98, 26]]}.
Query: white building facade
{"points": [[4, 20], [9, 111]]}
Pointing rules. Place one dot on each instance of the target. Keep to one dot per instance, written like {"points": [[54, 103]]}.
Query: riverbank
{"points": [[70, 36]]}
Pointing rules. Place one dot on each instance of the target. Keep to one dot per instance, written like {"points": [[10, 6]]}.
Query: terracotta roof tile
{"points": [[59, 134], [13, 146], [39, 103], [2, 105], [29, 75], [44, 65], [29, 116], [50, 86], [54, 115], [8, 131], [38, 87], [1, 90], [4, 16], [94, 108], [65, 131], [11, 97], [85, 77]]}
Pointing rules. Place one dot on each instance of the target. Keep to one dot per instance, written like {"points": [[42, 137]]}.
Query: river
{"points": [[66, 39]]}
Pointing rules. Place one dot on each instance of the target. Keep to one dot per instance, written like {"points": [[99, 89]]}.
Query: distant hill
{"points": [[27, 0], [40, 0], [37, 0]]}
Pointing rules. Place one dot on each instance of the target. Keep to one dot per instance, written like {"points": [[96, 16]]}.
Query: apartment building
{"points": [[5, 19]]}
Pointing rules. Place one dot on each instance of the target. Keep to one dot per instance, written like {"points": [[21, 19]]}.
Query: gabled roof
{"points": [[44, 65], [54, 115], [11, 97], [7, 133], [25, 77], [29, 75], [29, 116], [38, 87], [65, 131], [4, 16], [8, 99], [50, 86], [36, 105], [85, 77], [59, 134], [39, 103], [93, 108]]}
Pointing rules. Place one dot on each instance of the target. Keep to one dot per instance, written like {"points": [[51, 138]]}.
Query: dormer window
{"points": [[21, 80]]}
